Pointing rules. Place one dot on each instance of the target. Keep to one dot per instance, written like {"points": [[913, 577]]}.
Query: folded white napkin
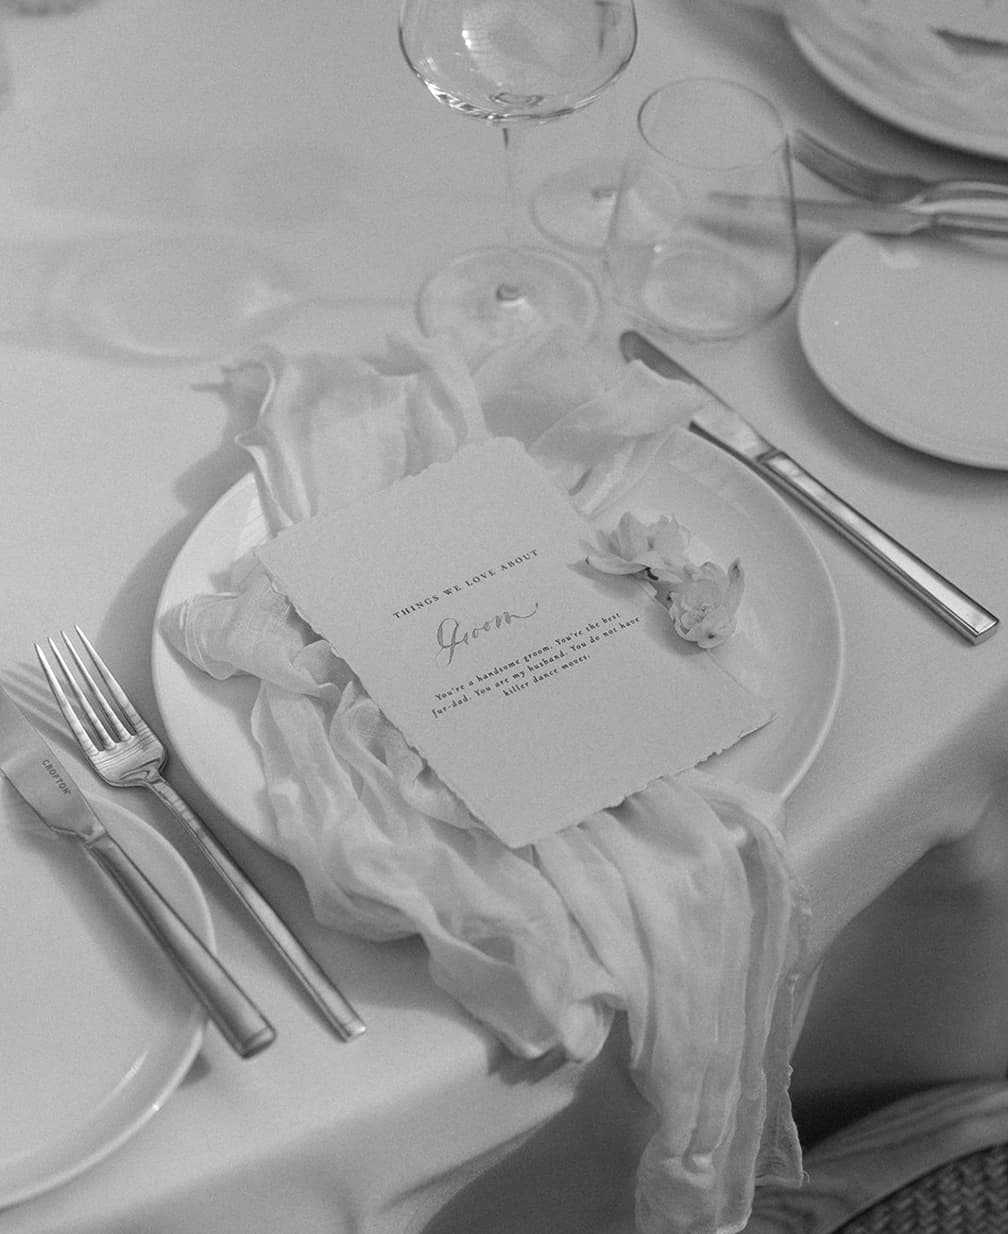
{"points": [[888, 47], [679, 906]]}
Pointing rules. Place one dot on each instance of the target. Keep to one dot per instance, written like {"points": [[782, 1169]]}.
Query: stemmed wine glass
{"points": [[513, 63]]}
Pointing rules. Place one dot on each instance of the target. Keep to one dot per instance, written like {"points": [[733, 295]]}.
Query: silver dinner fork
{"points": [[126, 753], [886, 187]]}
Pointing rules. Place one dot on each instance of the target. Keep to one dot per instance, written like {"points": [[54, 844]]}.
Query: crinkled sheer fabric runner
{"points": [[678, 907]]}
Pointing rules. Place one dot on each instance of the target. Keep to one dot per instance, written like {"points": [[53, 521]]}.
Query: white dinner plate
{"points": [[97, 1028], [874, 98], [789, 647], [909, 335]]}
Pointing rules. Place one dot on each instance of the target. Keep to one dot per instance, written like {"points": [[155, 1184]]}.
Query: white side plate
{"points": [[97, 1027], [909, 335]]}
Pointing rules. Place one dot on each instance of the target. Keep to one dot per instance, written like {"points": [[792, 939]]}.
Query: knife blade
{"points": [[877, 219], [35, 771], [722, 425], [900, 220]]}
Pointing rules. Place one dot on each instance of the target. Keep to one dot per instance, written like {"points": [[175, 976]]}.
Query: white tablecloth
{"points": [[294, 130]]}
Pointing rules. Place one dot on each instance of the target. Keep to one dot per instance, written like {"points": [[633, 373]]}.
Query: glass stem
{"points": [[509, 292]]}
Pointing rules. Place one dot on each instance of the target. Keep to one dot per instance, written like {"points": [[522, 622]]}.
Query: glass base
{"points": [[706, 295], [492, 297], [574, 207], [170, 297]]}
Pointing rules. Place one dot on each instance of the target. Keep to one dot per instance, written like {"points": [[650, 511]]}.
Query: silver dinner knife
{"points": [[900, 220], [41, 779], [885, 220], [722, 425]]}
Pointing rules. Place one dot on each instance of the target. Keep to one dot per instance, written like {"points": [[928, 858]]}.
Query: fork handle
{"points": [[241, 1022], [316, 983]]}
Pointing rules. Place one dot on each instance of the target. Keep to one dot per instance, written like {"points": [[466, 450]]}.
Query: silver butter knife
{"points": [[41, 779], [722, 425]]}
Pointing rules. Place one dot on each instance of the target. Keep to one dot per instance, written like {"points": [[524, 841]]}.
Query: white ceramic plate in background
{"points": [[909, 335], [873, 97]]}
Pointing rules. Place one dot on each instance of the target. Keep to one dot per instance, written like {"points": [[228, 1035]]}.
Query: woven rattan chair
{"points": [[934, 1163]]}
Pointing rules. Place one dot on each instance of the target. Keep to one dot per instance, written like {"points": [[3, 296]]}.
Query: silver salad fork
{"points": [[126, 753]]}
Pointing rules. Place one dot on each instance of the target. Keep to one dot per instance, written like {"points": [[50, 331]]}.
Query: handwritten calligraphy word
{"points": [[451, 635]]}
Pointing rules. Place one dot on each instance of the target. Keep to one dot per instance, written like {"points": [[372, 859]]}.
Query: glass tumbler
{"points": [[702, 241]]}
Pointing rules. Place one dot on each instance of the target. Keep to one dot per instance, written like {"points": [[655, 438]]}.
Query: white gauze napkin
{"points": [[679, 906], [884, 45]]}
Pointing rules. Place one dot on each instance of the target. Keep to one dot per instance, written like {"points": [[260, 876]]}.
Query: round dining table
{"points": [[183, 179]]}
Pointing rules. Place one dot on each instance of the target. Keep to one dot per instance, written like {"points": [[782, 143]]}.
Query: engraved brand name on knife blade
{"points": [[62, 784]]}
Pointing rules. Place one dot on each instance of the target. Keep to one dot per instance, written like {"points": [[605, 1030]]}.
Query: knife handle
{"points": [[961, 612], [243, 1025]]}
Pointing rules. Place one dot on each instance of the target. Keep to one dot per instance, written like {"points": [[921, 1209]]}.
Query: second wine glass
{"points": [[511, 64]]}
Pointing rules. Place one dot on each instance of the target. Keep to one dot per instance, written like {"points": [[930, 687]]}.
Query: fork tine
{"points": [[850, 174], [98, 728], [111, 715], [823, 159], [809, 141], [116, 690], [820, 159], [136, 760], [59, 694]]}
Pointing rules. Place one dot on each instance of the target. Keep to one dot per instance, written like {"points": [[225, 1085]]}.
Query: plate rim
{"points": [[755, 484], [988, 146], [190, 1033], [815, 354], [166, 660]]}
